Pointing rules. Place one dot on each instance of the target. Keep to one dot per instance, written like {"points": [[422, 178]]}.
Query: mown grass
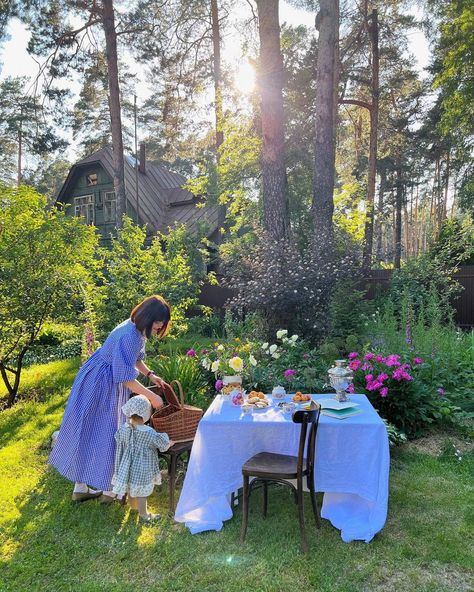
{"points": [[49, 544]]}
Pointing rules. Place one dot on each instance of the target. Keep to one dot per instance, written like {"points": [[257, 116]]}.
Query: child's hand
{"points": [[171, 443]]}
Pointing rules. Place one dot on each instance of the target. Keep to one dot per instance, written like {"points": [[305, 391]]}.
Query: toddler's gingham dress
{"points": [[137, 467], [85, 448]]}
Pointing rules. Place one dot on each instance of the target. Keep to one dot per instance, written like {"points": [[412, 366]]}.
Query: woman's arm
{"points": [[139, 389], [143, 368]]}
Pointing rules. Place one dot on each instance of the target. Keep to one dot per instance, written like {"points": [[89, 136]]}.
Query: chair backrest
{"points": [[307, 417]]}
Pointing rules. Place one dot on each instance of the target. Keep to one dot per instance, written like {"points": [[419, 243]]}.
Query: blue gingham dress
{"points": [[85, 447], [137, 468]]}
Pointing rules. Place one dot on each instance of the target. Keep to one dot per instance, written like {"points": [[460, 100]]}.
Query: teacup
{"points": [[247, 409]]}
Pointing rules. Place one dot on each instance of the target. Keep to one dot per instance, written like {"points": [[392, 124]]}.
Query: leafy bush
{"points": [[56, 333], [187, 371], [285, 286], [207, 325], [42, 354], [134, 270]]}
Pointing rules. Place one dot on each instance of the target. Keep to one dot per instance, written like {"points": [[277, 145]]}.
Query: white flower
{"points": [[282, 333], [294, 338], [206, 363], [273, 349], [275, 355], [252, 360], [220, 347], [215, 366], [265, 345]]}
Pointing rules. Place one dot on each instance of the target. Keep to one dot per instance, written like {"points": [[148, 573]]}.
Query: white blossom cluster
{"points": [[286, 286]]}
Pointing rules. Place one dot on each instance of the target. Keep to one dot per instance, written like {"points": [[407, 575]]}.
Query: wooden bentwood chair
{"points": [[267, 467]]}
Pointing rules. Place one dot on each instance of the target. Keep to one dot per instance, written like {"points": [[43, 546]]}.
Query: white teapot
{"points": [[278, 392]]}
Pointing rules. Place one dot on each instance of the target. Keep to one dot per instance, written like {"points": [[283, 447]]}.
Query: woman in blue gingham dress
{"points": [[85, 448]]}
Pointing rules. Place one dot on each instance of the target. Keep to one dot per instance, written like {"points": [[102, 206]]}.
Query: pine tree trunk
{"points": [[218, 109], [20, 149], [398, 219], [276, 219], [374, 123], [325, 122], [114, 107], [382, 187]]}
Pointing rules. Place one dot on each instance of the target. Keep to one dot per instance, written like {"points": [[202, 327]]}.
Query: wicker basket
{"points": [[178, 420]]}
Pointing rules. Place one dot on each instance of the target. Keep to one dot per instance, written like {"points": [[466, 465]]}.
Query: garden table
{"points": [[351, 468]]}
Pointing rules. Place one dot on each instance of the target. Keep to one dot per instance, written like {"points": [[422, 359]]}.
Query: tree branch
{"points": [[363, 104]]}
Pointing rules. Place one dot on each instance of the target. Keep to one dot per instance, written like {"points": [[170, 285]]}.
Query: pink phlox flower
{"points": [[392, 360], [191, 353], [374, 385], [354, 364], [399, 374], [369, 378], [353, 355], [369, 356], [289, 373], [407, 376], [219, 384], [379, 358], [418, 361], [441, 392], [404, 366], [384, 391], [366, 367], [382, 376], [350, 389]]}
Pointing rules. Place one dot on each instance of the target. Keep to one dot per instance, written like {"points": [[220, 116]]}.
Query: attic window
{"points": [[91, 179]]}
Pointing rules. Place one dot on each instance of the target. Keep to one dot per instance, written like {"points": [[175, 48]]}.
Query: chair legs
{"points": [[172, 480], [304, 542], [314, 503], [245, 508], [265, 498]]}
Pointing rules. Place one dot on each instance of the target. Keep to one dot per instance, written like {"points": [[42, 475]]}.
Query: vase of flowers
{"points": [[229, 363]]}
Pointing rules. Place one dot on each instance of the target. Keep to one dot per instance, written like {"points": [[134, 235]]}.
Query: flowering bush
{"points": [[393, 387]]}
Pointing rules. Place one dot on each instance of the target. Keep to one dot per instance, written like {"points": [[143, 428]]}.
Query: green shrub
{"points": [[187, 371]]}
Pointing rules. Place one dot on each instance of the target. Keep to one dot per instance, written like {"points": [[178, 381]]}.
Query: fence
{"points": [[378, 282]]}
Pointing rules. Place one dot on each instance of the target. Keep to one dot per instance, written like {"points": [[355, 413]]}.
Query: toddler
{"points": [[137, 468]]}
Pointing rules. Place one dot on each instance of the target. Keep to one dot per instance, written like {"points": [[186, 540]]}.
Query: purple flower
{"points": [[373, 385], [350, 389], [369, 378], [368, 357], [382, 376], [367, 367], [378, 358], [384, 391], [354, 364], [408, 334], [191, 353], [441, 392], [418, 361], [392, 360], [219, 384], [353, 355], [289, 373]]}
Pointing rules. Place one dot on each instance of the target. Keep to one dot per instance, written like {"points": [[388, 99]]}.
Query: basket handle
{"points": [[180, 390]]}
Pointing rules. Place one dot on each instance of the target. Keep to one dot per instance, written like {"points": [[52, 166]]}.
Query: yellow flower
{"points": [[237, 338], [236, 363]]}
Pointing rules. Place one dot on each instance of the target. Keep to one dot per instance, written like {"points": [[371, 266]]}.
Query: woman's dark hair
{"points": [[151, 310]]}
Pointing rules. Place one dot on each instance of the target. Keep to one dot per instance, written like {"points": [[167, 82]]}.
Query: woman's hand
{"points": [[155, 400], [157, 380]]}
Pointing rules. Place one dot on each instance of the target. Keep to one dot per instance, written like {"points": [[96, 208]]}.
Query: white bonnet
{"points": [[138, 405]]}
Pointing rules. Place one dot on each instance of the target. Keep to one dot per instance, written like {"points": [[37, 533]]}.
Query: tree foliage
{"points": [[45, 256]]}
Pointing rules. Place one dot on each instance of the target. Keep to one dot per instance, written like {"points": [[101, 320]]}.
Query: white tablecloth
{"points": [[352, 465]]}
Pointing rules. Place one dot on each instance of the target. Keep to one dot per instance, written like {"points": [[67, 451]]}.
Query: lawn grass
{"points": [[49, 544]]}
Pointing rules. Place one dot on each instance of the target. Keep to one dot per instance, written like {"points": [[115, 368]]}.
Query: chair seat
{"points": [[179, 447], [271, 466]]}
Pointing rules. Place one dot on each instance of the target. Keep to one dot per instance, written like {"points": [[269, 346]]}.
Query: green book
{"points": [[341, 413]]}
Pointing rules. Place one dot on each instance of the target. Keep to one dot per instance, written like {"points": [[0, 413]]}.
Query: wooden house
{"points": [[154, 195]]}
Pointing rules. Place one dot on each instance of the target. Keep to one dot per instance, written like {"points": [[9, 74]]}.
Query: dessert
{"points": [[298, 397]]}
